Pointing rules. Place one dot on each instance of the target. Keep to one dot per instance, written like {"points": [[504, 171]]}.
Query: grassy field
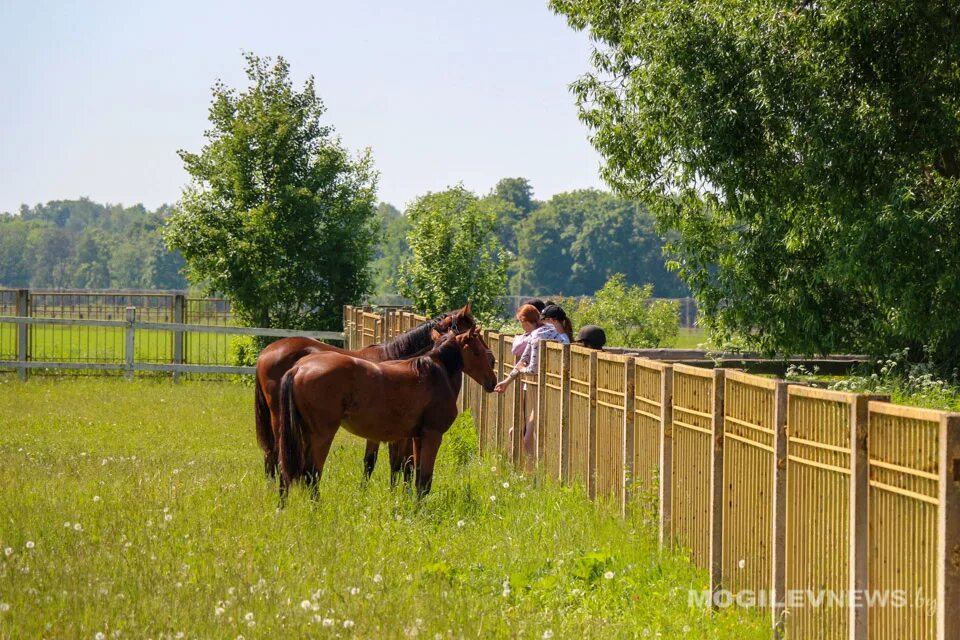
{"points": [[139, 510]]}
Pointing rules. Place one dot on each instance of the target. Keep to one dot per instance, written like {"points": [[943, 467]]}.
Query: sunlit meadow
{"points": [[140, 510]]}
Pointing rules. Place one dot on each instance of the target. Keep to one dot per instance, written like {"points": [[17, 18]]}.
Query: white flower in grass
{"points": [[354, 590], [609, 575], [493, 469], [461, 524], [77, 526], [523, 495], [179, 635], [493, 498], [548, 634], [99, 635], [8, 551], [66, 525], [30, 544], [378, 578], [96, 498], [305, 605], [686, 628], [4, 607], [506, 485], [249, 616], [327, 622], [218, 611], [348, 624], [168, 517]]}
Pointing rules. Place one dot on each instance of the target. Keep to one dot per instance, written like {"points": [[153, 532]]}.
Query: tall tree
{"points": [[391, 249], [808, 155], [455, 256], [278, 216]]}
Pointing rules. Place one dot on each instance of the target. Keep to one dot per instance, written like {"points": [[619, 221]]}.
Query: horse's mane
{"points": [[446, 356], [414, 341]]}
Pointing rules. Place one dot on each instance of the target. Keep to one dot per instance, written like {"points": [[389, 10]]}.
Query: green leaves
{"points": [[278, 217], [802, 156], [455, 256]]}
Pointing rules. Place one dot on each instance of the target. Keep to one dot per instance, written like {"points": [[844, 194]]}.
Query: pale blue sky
{"points": [[96, 97]]}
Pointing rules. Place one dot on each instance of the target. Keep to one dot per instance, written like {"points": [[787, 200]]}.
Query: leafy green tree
{"points": [[807, 155], [627, 314], [392, 248], [279, 217], [577, 240], [455, 256]]}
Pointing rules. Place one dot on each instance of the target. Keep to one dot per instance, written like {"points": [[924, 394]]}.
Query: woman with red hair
{"points": [[535, 330]]}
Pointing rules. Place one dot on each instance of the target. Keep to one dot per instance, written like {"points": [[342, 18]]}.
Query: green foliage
{"points": [[807, 155], [244, 351], [279, 218], [391, 249], [627, 315], [574, 242], [81, 244], [455, 256]]}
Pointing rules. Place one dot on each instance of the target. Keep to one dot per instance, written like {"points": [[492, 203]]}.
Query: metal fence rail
{"points": [[125, 352]]}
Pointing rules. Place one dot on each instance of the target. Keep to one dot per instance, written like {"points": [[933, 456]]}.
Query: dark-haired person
{"points": [[591, 336], [536, 302], [535, 330], [556, 316]]}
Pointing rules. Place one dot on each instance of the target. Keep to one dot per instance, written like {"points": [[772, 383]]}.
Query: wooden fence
{"points": [[836, 513]]}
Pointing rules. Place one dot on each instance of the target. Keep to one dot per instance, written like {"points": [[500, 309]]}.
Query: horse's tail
{"points": [[291, 432], [265, 435]]}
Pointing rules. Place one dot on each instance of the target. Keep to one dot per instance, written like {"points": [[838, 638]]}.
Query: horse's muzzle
{"points": [[488, 386]]}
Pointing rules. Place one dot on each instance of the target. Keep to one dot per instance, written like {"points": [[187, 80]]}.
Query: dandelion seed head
{"points": [[305, 605], [354, 590], [348, 624], [99, 635], [167, 518], [8, 551], [609, 575], [248, 616], [4, 607], [548, 634], [327, 622], [30, 544], [461, 524], [218, 611], [506, 485], [493, 498]]}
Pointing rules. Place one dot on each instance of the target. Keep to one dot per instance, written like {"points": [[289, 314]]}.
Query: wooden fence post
{"points": [[778, 561], [666, 454], [179, 317], [565, 415], [859, 539], [23, 331], [629, 435], [592, 430], [948, 529], [716, 483], [130, 344], [541, 408]]}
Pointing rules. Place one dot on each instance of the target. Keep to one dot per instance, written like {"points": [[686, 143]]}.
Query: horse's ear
{"points": [[466, 309], [435, 335]]}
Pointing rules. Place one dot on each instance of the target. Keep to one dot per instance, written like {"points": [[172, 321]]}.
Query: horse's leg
{"points": [[426, 448], [370, 458], [396, 462], [405, 448], [320, 441]]}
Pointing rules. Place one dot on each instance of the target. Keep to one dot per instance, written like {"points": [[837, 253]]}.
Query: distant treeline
{"points": [[85, 245], [570, 244]]}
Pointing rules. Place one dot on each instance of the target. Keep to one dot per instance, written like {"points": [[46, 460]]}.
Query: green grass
{"points": [[139, 510], [107, 344], [689, 338]]}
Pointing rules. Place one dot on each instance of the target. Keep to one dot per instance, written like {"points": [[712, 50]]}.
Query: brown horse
{"points": [[385, 402], [278, 357]]}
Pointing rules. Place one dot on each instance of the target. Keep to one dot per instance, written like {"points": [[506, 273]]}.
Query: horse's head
{"points": [[459, 321], [478, 360]]}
